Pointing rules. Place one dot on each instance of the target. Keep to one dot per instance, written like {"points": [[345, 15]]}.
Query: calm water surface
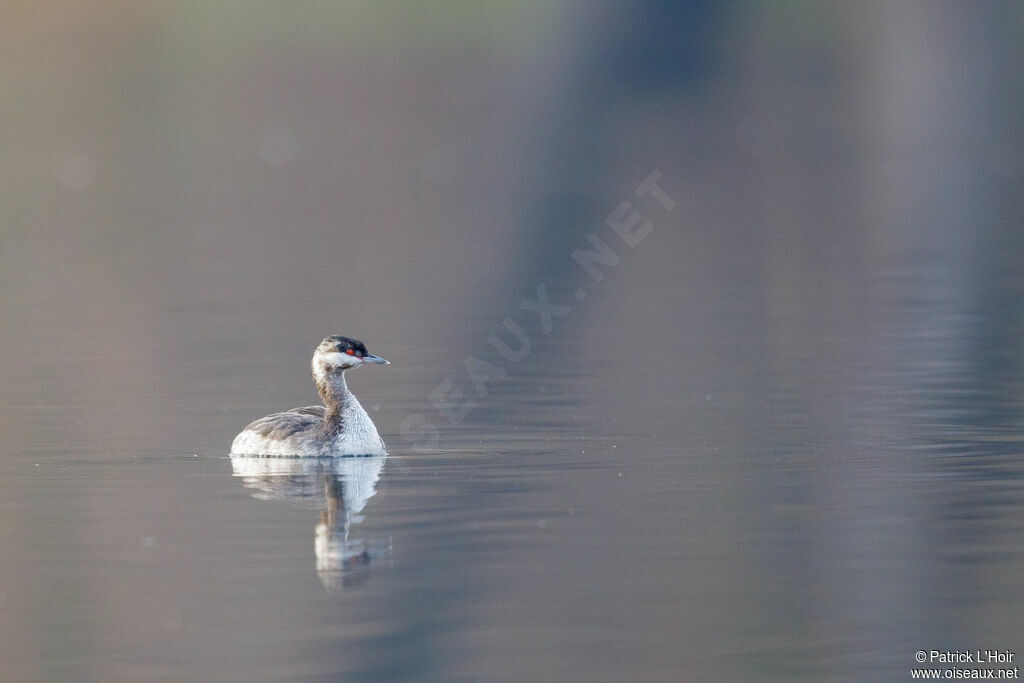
{"points": [[704, 512]]}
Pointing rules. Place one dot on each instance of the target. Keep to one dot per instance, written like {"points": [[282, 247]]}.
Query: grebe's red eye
{"points": [[349, 352]]}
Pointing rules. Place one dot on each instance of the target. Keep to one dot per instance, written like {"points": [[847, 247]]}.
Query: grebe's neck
{"points": [[336, 397]]}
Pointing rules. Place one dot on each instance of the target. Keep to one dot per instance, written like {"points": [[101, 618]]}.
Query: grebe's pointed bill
{"points": [[370, 358]]}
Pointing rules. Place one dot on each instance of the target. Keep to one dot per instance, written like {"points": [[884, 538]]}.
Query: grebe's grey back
{"points": [[339, 427]]}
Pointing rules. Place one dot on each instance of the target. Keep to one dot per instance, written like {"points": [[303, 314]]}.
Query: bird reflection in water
{"points": [[341, 486]]}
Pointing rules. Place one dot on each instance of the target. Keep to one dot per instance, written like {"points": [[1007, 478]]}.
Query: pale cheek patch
{"points": [[340, 360]]}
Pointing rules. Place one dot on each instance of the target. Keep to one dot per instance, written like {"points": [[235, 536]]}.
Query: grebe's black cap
{"points": [[347, 345], [339, 344]]}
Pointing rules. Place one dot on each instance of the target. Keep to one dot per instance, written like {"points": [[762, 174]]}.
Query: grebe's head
{"points": [[337, 354]]}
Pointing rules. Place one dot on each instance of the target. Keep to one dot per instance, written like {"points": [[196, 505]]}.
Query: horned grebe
{"points": [[339, 427]]}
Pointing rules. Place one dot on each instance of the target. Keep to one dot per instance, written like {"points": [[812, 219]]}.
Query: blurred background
{"points": [[780, 439]]}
